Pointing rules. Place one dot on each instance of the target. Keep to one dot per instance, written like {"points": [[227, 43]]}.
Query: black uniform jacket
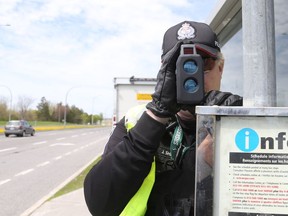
{"points": [[127, 161]]}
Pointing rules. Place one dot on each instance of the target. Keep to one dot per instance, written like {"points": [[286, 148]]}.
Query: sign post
{"points": [[242, 161]]}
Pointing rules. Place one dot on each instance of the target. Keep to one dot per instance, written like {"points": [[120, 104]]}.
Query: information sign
{"points": [[253, 166]]}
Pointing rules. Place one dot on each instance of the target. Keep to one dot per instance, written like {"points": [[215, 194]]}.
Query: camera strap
{"points": [[177, 148], [176, 141]]}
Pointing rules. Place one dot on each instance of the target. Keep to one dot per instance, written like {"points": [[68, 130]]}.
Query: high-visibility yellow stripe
{"points": [[133, 115], [138, 203]]}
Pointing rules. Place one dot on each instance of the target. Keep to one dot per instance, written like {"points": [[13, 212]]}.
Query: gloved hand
{"points": [[164, 102], [222, 99]]}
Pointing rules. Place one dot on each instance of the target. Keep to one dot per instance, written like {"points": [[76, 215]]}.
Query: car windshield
{"points": [[13, 123]]}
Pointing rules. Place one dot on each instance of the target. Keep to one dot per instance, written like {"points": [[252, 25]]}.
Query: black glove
{"points": [[164, 102], [222, 99]]}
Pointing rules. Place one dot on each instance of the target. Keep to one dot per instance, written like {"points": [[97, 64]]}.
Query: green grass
{"points": [[2, 123], [76, 183]]}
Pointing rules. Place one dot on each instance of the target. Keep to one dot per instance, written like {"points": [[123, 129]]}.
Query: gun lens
{"points": [[190, 85], [190, 66]]}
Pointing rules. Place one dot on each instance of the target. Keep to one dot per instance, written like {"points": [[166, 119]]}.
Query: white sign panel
{"points": [[253, 166]]}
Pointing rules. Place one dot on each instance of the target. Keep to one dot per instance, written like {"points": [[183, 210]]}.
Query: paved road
{"points": [[31, 168]]}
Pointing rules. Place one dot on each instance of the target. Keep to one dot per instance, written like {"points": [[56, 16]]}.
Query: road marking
{"points": [[39, 143], [62, 144], [24, 172], [58, 158], [5, 181], [74, 136], [83, 134], [43, 164], [61, 138], [8, 149], [68, 153]]}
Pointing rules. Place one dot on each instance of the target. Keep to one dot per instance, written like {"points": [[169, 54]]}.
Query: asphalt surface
{"points": [[35, 168]]}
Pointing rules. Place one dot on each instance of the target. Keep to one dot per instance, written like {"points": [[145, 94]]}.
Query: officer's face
{"points": [[212, 76]]}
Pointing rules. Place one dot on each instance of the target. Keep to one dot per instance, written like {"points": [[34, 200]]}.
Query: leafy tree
{"points": [[57, 113], [43, 112], [32, 115], [97, 119], [46, 112], [85, 118], [74, 115]]}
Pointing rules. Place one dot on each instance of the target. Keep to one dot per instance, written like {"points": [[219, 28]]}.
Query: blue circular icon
{"points": [[247, 139]]}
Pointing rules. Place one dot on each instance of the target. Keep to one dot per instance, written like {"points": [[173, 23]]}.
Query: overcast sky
{"points": [[53, 47]]}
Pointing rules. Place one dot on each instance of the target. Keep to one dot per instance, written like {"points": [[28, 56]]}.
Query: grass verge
{"points": [[76, 183]]}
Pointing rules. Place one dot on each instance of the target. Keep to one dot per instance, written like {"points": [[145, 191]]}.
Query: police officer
{"points": [[143, 171]]}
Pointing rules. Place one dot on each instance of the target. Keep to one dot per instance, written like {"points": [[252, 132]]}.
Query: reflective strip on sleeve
{"points": [[133, 115], [138, 203]]}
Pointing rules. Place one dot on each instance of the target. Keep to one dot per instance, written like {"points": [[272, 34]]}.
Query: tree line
{"points": [[46, 111]]}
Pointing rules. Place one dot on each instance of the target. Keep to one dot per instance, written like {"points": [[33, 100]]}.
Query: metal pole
{"points": [[65, 108], [259, 53], [10, 100]]}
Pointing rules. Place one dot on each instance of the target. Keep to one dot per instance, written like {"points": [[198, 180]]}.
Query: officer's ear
{"points": [[220, 65]]}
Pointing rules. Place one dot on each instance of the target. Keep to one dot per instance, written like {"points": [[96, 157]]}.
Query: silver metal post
{"points": [[259, 53]]}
